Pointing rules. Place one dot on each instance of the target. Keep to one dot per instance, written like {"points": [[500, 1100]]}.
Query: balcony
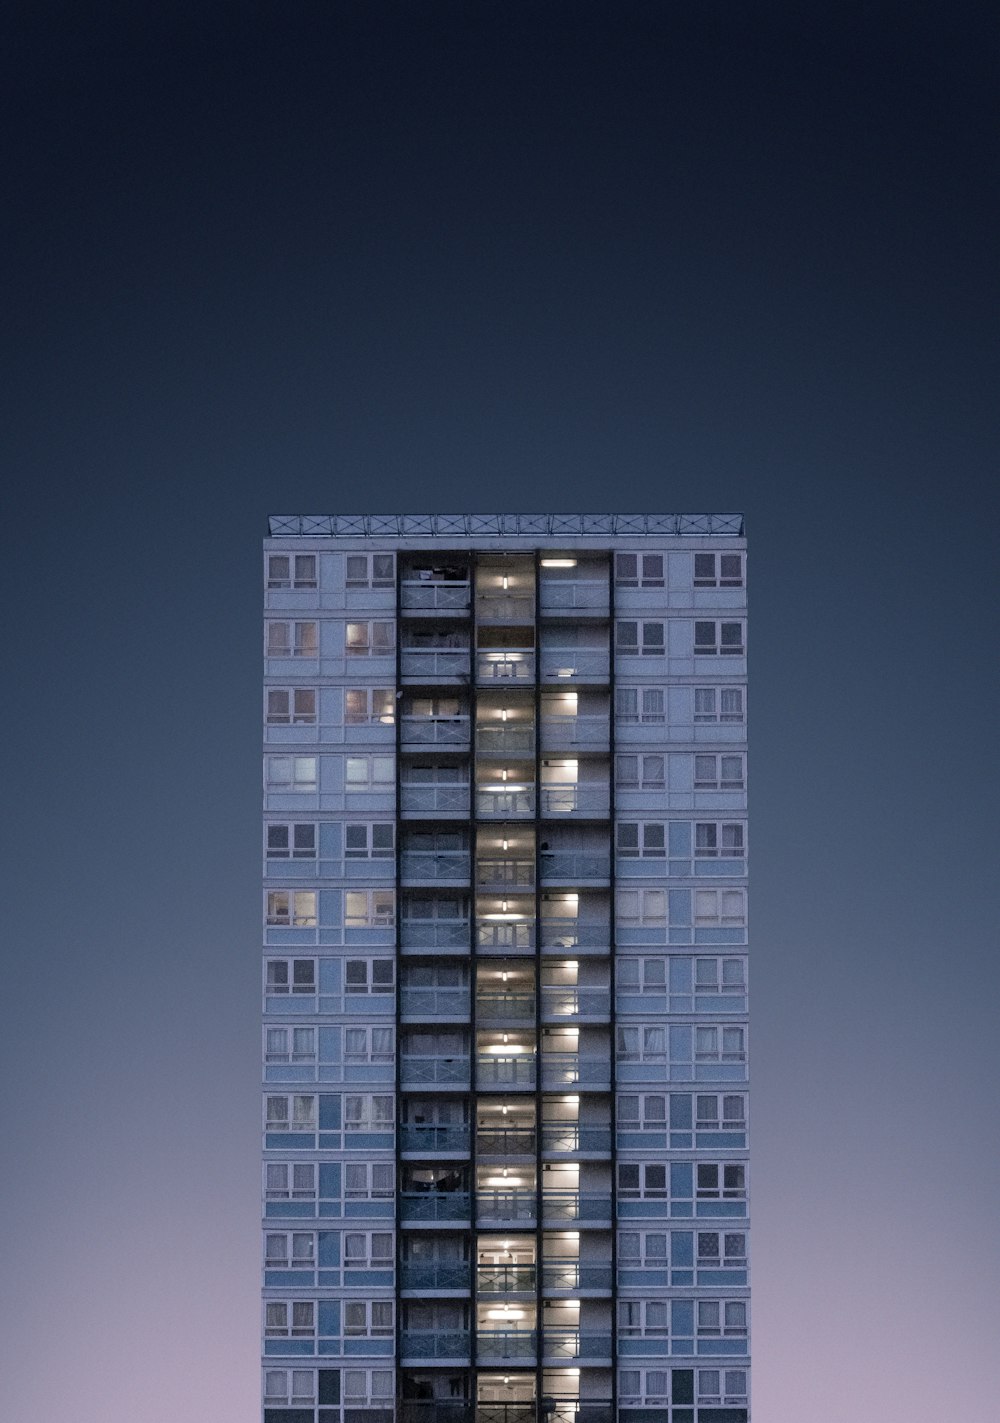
{"points": [[428, 799], [434, 1071], [500, 666], [567, 1004], [568, 596], [575, 733], [433, 595], [572, 666], [585, 801], [574, 869], [421, 934], [500, 873], [430, 1344], [508, 937], [505, 1008], [570, 1276], [427, 1207], [516, 1071], [496, 1345], [452, 1275], [435, 1140], [449, 731], [435, 867], [563, 933], [506, 739], [505, 1143], [569, 1345], [432, 665], [587, 1208], [569, 1069], [572, 1139], [428, 1005], [503, 1207], [500, 1280], [503, 803]]}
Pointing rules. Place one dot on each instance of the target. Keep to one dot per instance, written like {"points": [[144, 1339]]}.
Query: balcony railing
{"points": [[436, 1275], [435, 1138], [559, 1206], [435, 595], [505, 873], [434, 731], [569, 1069], [576, 1003], [567, 594], [492, 1070], [575, 1344], [434, 1345], [505, 1007], [434, 799], [573, 664], [432, 1003], [568, 733], [576, 800], [510, 937], [504, 667], [504, 1279], [574, 869], [503, 740], [435, 1206], [435, 933], [505, 1142], [502, 1206], [505, 607], [573, 934], [428, 866], [567, 1137], [572, 1275], [505, 804], [435, 664], [494, 1345], [436, 1071]]}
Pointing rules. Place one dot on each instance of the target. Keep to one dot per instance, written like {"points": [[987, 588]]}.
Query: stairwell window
{"points": [[369, 908]]}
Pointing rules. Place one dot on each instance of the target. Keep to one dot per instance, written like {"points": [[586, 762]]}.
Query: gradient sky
{"points": [[326, 257]]}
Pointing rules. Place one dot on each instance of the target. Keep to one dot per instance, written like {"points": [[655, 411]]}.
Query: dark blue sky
{"points": [[339, 257]]}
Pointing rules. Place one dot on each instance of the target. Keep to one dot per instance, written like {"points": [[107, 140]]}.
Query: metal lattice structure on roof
{"points": [[442, 526]]}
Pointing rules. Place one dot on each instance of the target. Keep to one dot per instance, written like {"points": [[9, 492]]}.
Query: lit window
{"points": [[367, 908], [291, 773], [369, 706], [295, 907], [375, 639], [362, 773]]}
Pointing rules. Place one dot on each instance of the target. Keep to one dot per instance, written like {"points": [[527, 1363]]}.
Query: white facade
{"points": [[505, 944]]}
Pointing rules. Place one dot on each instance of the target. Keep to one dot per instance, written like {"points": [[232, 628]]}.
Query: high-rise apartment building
{"points": [[505, 1056]]}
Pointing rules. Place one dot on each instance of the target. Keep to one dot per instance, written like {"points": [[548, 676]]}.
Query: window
{"points": [[718, 773], [375, 639], [368, 1386], [290, 1181], [639, 570], [642, 1181], [289, 1250], [373, 1180], [641, 838], [640, 772], [641, 1111], [718, 704], [291, 706], [370, 773], [641, 638], [649, 1386], [635, 907], [291, 773], [720, 976], [720, 1044], [722, 1386], [648, 974], [369, 706], [713, 639], [367, 1045], [365, 841], [641, 1044], [718, 570], [290, 1045], [722, 1318], [368, 1249], [369, 908], [289, 1386], [371, 1317], [367, 1113], [289, 1319], [292, 907], [371, 570], [291, 841], [721, 1181], [720, 908], [290, 976], [369, 975], [292, 639], [715, 1111], [715, 839], [290, 1113], [291, 570], [643, 1318], [635, 705], [642, 1248], [722, 1249]]}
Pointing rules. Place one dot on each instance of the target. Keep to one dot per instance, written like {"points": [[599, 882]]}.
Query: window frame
{"points": [[369, 578], [302, 572], [721, 574]]}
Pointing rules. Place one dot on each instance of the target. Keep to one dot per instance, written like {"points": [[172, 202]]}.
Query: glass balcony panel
{"points": [[509, 937], [505, 1279], [576, 1003], [503, 666], [436, 1275], [569, 732], [435, 1138], [494, 1070], [590, 800], [506, 1413], [415, 1344], [559, 1206], [426, 866], [434, 731], [435, 595], [435, 933], [505, 873], [505, 804], [434, 800], [506, 739], [503, 1206], [492, 1345], [505, 1007], [420, 1206], [575, 1344], [505, 1141], [441, 1071], [505, 607], [574, 664], [574, 868], [432, 1003], [567, 1137], [558, 933], [570, 1069]]}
